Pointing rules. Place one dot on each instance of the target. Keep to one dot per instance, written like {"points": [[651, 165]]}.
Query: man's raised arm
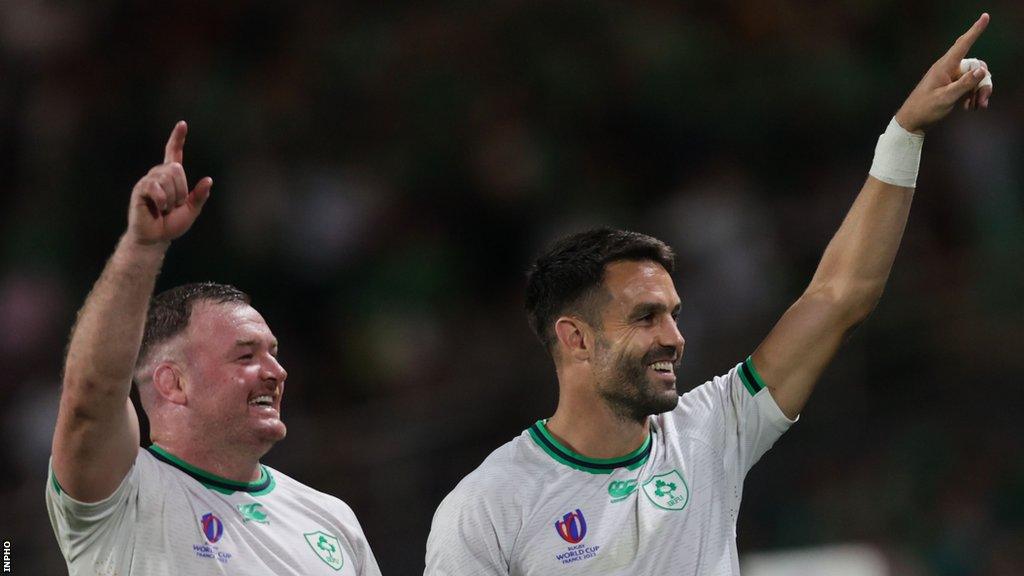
{"points": [[97, 433], [855, 267]]}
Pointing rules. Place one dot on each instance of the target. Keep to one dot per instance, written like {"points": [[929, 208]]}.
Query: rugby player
{"points": [[628, 477], [197, 501]]}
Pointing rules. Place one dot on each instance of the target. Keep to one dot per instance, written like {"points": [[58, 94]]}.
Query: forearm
{"points": [[843, 291], [856, 264], [108, 333]]}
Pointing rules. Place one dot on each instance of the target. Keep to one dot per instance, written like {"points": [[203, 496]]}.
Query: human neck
{"points": [[233, 464], [594, 430]]}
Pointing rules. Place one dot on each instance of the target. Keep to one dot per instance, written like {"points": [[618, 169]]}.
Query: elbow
{"points": [[849, 303], [94, 379], [88, 398]]}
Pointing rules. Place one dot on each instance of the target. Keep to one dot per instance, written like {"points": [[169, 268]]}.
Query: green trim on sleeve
{"points": [[56, 484], [751, 379]]}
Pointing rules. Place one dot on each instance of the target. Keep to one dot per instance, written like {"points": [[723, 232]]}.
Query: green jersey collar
{"points": [[555, 449], [262, 486]]}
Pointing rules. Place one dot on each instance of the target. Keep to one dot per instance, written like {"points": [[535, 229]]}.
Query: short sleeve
{"points": [[92, 528], [464, 538], [738, 415], [356, 539]]}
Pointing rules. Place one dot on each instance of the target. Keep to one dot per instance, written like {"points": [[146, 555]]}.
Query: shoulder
{"points": [[710, 398], [76, 522], [145, 461], [477, 523], [491, 477], [311, 498], [144, 468], [704, 412], [497, 483]]}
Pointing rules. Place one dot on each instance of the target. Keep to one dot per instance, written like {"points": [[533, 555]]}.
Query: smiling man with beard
{"points": [[197, 500], [627, 477]]}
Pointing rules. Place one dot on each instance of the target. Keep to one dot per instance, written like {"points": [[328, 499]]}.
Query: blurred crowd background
{"points": [[383, 174]]}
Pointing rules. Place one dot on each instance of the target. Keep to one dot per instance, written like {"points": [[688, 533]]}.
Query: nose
{"points": [[272, 370], [672, 337]]}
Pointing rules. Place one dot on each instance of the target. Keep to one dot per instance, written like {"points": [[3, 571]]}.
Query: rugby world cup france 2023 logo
{"points": [[572, 527], [213, 528]]}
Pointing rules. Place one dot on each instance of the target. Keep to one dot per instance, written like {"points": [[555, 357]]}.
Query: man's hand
{"points": [[162, 208], [944, 85]]}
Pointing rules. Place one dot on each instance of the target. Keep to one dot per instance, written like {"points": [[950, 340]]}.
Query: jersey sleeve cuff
{"points": [[77, 508], [763, 397], [767, 405]]}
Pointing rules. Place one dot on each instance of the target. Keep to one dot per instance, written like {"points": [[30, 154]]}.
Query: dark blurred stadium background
{"points": [[383, 174]]}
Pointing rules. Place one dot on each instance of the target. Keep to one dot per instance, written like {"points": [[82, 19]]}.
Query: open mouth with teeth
{"points": [[263, 400], [664, 371], [663, 367]]}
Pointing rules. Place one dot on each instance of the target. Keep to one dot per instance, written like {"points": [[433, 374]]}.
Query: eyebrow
{"points": [[645, 308], [254, 343]]}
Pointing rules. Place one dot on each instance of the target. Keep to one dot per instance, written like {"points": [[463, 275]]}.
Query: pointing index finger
{"points": [[959, 49], [174, 151]]}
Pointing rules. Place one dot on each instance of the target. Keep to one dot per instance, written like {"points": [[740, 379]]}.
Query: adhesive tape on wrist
{"points": [[971, 64], [897, 156]]}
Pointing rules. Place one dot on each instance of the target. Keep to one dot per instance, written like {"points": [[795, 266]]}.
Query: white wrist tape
{"points": [[971, 64], [897, 156]]}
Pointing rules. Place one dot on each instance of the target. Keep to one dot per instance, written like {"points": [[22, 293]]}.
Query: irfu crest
{"points": [[327, 547], [668, 491]]}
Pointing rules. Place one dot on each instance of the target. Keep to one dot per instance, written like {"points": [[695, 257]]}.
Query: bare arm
{"points": [[855, 267], [97, 433]]}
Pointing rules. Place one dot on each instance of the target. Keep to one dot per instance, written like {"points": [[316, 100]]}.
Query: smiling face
{"points": [[234, 382], [638, 345]]}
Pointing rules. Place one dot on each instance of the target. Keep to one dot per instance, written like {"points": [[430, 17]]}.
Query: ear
{"points": [[573, 337], [169, 384]]}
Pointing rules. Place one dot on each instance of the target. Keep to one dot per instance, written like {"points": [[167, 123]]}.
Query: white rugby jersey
{"points": [[170, 518], [534, 507]]}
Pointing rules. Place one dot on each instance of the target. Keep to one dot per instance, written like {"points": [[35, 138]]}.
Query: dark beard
{"points": [[629, 393]]}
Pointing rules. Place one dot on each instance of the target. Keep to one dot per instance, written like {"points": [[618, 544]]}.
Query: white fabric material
{"points": [[897, 156], [501, 518], [970, 64], [152, 525]]}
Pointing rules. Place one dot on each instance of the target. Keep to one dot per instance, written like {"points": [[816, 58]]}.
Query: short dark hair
{"points": [[566, 276], [170, 310]]}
